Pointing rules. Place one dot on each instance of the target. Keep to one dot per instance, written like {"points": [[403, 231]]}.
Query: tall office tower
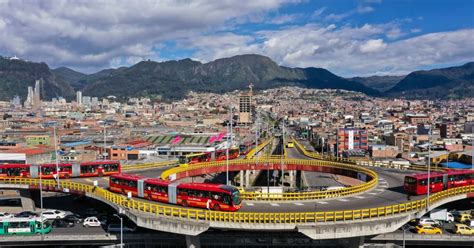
{"points": [[29, 98], [245, 107], [79, 98], [37, 93]]}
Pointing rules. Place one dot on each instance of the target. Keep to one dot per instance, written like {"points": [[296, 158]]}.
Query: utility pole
{"points": [[41, 202], [228, 145], [282, 153]]}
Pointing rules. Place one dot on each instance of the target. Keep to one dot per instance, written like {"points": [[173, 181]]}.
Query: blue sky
{"points": [[372, 37]]}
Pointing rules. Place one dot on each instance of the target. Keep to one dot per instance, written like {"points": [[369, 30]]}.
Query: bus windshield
{"points": [[236, 197], [410, 180]]}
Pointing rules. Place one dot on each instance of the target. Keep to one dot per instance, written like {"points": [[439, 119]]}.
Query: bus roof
{"points": [[157, 181], [128, 177], [14, 165], [21, 219], [458, 172], [54, 165], [207, 187], [101, 162], [425, 175]]}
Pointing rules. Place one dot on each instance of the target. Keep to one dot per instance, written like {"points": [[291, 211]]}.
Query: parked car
{"points": [[116, 228], [91, 222], [4, 215], [74, 218], [428, 229], [463, 229], [51, 214], [62, 223], [26, 214], [428, 221]]}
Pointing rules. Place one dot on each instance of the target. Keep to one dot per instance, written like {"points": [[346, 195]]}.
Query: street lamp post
{"points": [[121, 229], [56, 154], [41, 202], [227, 158], [429, 171], [105, 144], [282, 151]]}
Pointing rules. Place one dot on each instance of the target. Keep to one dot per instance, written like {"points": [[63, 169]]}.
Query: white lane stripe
{"points": [[343, 200], [359, 197], [298, 203], [321, 202], [379, 189], [249, 204], [274, 204], [372, 193]]}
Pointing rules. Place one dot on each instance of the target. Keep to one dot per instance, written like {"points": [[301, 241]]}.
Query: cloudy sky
{"points": [[347, 37]]}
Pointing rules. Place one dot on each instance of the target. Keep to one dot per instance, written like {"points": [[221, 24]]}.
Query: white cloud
{"points": [[345, 50], [372, 46], [283, 19], [90, 34]]}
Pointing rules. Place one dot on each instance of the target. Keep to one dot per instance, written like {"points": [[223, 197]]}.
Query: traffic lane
{"points": [[294, 153], [318, 179]]}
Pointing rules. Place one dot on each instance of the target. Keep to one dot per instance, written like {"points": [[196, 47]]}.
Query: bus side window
{"points": [[226, 199]]}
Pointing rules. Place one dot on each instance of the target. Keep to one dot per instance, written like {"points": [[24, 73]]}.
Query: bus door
{"points": [[34, 169], [172, 193], [141, 188], [76, 170], [445, 181]]}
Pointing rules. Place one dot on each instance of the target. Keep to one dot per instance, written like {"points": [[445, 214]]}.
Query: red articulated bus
{"points": [[417, 184], [221, 155], [201, 195], [66, 170]]}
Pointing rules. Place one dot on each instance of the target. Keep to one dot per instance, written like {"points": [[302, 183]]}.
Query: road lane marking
{"points": [[249, 204], [298, 203], [322, 202], [274, 204], [359, 197], [88, 179], [343, 200], [372, 193], [379, 189]]}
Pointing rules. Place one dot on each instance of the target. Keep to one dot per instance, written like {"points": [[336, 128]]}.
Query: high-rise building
{"points": [[79, 98], [37, 94], [29, 97], [352, 139], [245, 107]]}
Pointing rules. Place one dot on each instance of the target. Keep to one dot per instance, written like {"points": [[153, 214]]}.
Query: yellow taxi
{"points": [[463, 229], [463, 217], [427, 229]]}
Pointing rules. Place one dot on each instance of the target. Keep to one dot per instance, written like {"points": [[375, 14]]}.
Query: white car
{"points": [[5, 215], [91, 222], [428, 221], [51, 214]]}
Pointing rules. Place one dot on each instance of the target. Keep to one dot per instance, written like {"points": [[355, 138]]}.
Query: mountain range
{"points": [[173, 79]]}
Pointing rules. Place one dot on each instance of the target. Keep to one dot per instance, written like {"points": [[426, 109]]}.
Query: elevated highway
{"points": [[380, 207]]}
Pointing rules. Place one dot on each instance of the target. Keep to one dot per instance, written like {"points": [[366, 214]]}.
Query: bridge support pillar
{"points": [[292, 179], [242, 175], [27, 202], [193, 241], [247, 178]]}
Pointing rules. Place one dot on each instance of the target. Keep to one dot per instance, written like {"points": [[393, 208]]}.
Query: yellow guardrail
{"points": [[149, 165], [171, 173], [315, 155], [252, 152], [247, 217]]}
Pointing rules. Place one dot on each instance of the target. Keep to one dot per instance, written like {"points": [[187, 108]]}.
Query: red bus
{"points": [[417, 184], [99, 168], [66, 170], [14, 170], [202, 195], [221, 155]]}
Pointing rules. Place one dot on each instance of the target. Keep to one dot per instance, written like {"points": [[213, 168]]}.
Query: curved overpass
{"points": [[383, 209]]}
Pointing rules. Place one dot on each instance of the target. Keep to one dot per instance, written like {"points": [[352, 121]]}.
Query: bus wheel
{"points": [[216, 207], [66, 176], [184, 203], [101, 174]]}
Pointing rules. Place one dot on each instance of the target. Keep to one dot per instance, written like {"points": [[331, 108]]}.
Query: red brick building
{"points": [[352, 139]]}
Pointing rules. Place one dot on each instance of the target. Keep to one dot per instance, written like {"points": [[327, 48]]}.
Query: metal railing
{"points": [[244, 217], [252, 152], [372, 176], [362, 162]]}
